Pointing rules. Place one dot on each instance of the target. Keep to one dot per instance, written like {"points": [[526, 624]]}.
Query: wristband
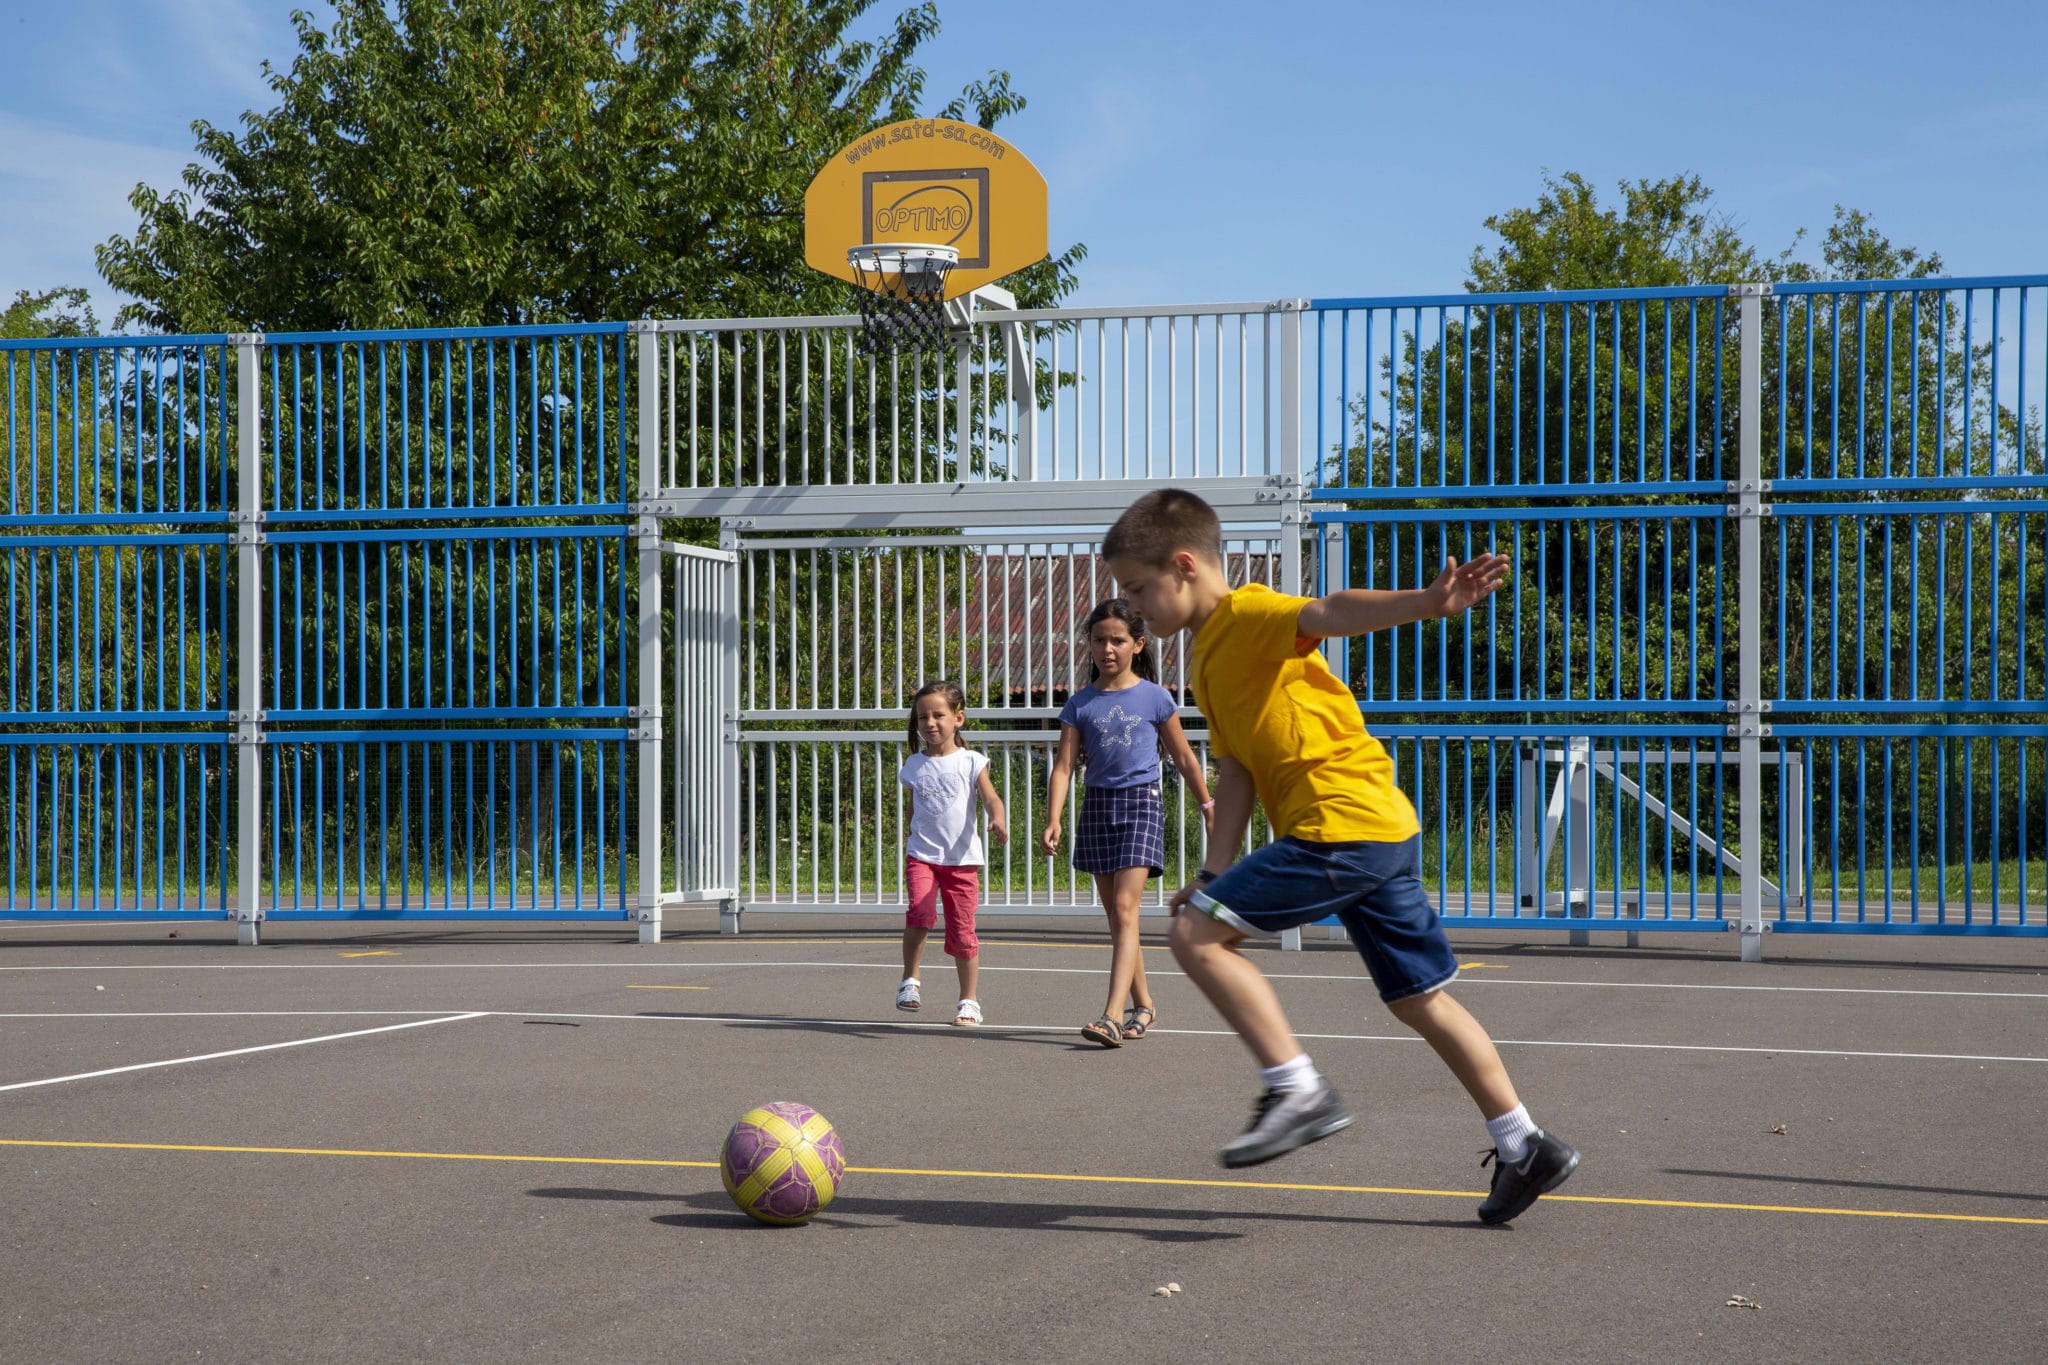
{"points": [[1210, 804], [1204, 876]]}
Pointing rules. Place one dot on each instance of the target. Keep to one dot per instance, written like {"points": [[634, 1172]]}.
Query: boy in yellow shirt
{"points": [[1286, 732]]}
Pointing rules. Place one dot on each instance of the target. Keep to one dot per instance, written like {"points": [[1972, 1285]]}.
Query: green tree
{"points": [[63, 312], [481, 162], [1602, 396], [518, 162], [1665, 233]]}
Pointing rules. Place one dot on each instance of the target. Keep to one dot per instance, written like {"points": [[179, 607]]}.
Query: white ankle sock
{"points": [[1299, 1074], [1511, 1133]]}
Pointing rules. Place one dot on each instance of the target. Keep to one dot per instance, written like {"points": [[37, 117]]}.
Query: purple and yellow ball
{"points": [[782, 1163]]}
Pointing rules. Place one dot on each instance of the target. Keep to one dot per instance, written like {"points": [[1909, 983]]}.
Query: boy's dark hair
{"points": [[942, 688], [1162, 523], [1120, 609]]}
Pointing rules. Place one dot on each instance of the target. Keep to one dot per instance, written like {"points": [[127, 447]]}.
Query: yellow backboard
{"points": [[933, 181]]}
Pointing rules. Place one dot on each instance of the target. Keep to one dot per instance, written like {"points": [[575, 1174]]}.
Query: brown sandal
{"points": [[1135, 1028], [1103, 1032]]}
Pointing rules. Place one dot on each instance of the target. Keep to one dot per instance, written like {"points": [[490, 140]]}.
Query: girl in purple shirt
{"points": [[1115, 726]]}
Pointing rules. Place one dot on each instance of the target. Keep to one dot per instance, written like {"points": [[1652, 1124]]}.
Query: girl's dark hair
{"points": [[942, 688], [1120, 609]]}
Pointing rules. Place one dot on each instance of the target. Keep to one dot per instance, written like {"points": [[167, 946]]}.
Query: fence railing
{"points": [[496, 823], [1883, 639], [847, 628], [823, 824], [298, 628], [1891, 385], [1901, 386], [1479, 396], [119, 431], [468, 424], [376, 623], [1030, 395]]}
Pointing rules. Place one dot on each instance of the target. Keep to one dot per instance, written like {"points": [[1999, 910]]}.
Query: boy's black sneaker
{"points": [[1516, 1185], [1284, 1120]]}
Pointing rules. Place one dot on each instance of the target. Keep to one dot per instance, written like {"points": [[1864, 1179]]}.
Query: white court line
{"points": [[1056, 971], [421, 966], [1473, 981], [239, 1052], [1226, 1033], [1054, 1029], [95, 923], [218, 1014]]}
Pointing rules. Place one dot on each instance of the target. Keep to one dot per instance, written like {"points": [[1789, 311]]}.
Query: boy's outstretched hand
{"points": [[1461, 587]]}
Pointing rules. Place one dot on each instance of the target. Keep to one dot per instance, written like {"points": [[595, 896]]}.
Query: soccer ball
{"points": [[782, 1163]]}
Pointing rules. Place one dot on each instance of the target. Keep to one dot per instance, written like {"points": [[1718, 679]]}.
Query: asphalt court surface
{"points": [[459, 1143]]}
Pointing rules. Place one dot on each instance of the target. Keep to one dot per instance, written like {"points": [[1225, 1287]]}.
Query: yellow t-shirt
{"points": [[1274, 706]]}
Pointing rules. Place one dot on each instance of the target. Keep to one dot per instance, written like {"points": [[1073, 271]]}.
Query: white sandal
{"points": [[968, 1014], [907, 995]]}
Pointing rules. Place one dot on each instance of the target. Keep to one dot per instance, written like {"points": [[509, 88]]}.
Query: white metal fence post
{"points": [[247, 715], [1020, 367], [1749, 729], [728, 711], [1292, 500], [648, 730], [1333, 564], [963, 411], [1333, 574]]}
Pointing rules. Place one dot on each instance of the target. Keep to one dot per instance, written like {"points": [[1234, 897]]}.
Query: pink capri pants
{"points": [[961, 889]]}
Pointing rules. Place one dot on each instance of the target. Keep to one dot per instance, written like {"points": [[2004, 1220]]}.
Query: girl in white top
{"points": [[942, 851]]}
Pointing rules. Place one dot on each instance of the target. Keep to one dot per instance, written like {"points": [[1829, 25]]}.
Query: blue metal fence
{"points": [[369, 624], [1869, 661], [450, 623], [1481, 397], [383, 579], [121, 599]]}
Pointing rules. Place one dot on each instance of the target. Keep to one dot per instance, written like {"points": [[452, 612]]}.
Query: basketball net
{"points": [[902, 295]]}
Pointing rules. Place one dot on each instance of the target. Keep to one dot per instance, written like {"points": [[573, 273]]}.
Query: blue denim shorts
{"points": [[1370, 887]]}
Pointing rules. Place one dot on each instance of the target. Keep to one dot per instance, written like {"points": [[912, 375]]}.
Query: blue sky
{"points": [[1211, 151]]}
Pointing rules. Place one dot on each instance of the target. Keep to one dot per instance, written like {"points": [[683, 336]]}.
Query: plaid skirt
{"points": [[1121, 827]]}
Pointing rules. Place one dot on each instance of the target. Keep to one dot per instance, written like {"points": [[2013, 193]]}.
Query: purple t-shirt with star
{"points": [[1120, 732]]}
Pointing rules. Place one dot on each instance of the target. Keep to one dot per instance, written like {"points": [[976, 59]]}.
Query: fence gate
{"points": [[701, 734], [842, 630]]}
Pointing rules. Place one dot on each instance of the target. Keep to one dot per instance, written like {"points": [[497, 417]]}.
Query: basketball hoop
{"points": [[902, 294]]}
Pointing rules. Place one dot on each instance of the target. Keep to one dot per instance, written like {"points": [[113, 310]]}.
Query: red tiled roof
{"points": [[1031, 607]]}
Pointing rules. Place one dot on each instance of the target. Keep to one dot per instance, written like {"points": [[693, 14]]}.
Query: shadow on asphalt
{"points": [[845, 1029], [2036, 1198], [712, 1209]]}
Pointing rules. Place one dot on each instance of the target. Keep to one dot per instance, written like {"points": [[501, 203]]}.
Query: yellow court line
{"points": [[377, 952], [1032, 1175], [668, 988]]}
